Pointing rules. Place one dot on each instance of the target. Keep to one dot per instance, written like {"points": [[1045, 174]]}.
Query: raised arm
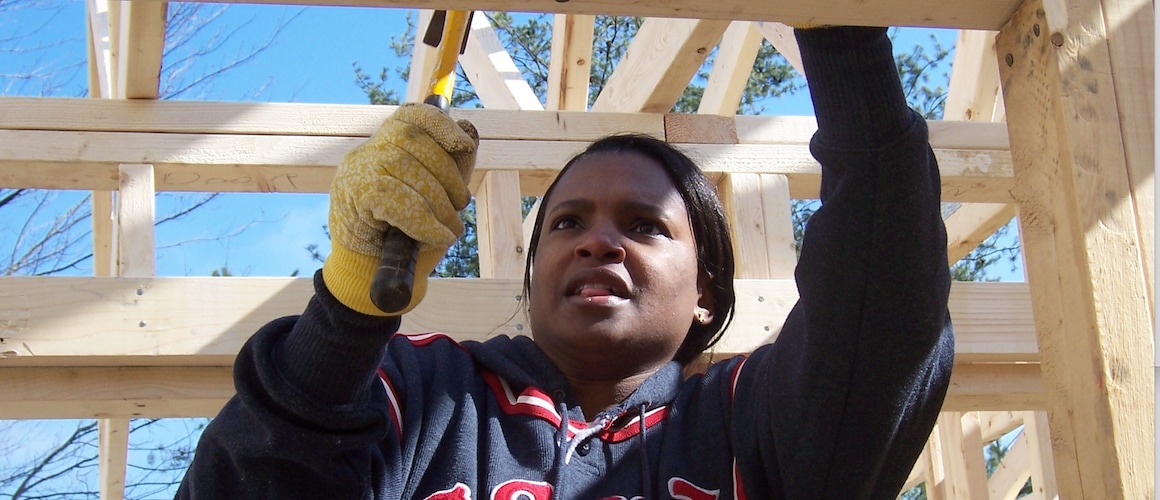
{"points": [[311, 411], [843, 401]]}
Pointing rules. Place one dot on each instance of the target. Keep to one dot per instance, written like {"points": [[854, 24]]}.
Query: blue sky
{"points": [[311, 60]]}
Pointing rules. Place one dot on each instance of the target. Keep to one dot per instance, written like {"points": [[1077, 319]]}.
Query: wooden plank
{"points": [[141, 38], [661, 59], [52, 321], [499, 226], [189, 390], [104, 229], [936, 476], [113, 457], [423, 60], [972, 224], [300, 119], [493, 74], [1081, 245], [782, 38], [973, 91], [570, 62], [758, 209], [995, 424], [975, 14], [1131, 49], [100, 48], [731, 69], [991, 387], [135, 218], [259, 163], [1043, 483], [1012, 472], [966, 476]]}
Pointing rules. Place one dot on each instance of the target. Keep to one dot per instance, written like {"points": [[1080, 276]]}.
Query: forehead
{"points": [[619, 175]]}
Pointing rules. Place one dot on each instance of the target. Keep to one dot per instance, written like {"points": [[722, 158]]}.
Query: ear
{"points": [[703, 312]]}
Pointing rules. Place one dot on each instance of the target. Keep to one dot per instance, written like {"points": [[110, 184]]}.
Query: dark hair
{"points": [[706, 216]]}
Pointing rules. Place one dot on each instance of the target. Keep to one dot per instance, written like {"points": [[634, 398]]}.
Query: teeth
{"points": [[590, 286]]}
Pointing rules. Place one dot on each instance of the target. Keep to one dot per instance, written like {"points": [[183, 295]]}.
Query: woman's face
{"points": [[614, 285]]}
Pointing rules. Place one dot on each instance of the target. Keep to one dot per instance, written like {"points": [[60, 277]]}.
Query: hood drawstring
{"points": [[645, 475], [561, 444]]}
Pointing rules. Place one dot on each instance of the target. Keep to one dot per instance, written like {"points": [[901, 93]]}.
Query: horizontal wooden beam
{"points": [[54, 321], [975, 14], [200, 391], [294, 148]]}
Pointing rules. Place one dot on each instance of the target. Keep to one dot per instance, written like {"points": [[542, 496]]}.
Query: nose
{"points": [[601, 242]]}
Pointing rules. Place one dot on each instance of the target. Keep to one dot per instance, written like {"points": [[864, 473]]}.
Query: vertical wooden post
{"points": [[135, 259], [965, 476], [1043, 485], [570, 62], [499, 226], [1080, 236]]}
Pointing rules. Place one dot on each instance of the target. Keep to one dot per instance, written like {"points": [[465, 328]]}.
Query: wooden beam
{"points": [[975, 14], [570, 63], [189, 390], [1043, 483], [1012, 472], [162, 321], [782, 38], [972, 224], [423, 60], [731, 69], [141, 40], [499, 226], [758, 208], [493, 74], [1080, 238], [962, 446], [662, 58], [100, 49], [996, 424], [113, 455], [304, 164]]}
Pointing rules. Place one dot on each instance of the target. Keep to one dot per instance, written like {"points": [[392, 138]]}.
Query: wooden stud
{"points": [[423, 60], [782, 38], [962, 448], [113, 445], [758, 208], [493, 74], [1043, 483], [499, 226], [731, 69], [1083, 253], [570, 63], [995, 424], [1012, 472], [659, 62], [141, 40], [971, 224]]}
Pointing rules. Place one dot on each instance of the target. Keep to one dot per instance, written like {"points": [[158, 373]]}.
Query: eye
{"points": [[650, 228], [566, 222]]}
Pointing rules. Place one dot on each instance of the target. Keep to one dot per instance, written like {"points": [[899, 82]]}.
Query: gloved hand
{"points": [[411, 174]]}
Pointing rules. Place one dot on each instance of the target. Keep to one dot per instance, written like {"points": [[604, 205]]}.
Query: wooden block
{"points": [[570, 62], [700, 129], [1081, 243], [499, 226]]}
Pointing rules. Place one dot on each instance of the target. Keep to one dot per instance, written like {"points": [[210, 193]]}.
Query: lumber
{"points": [[1012, 472], [976, 14], [54, 321], [1043, 483], [758, 210], [971, 224], [962, 445], [424, 58], [493, 74], [113, 456], [140, 40], [660, 61], [500, 226], [200, 391], [569, 66], [731, 69], [1080, 238]]}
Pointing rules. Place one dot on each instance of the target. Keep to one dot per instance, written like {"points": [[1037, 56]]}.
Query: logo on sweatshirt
{"points": [[518, 489]]}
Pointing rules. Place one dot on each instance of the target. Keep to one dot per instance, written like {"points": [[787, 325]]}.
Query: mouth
{"points": [[598, 285]]}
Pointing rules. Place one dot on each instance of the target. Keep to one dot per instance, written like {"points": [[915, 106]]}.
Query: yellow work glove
{"points": [[411, 174]]}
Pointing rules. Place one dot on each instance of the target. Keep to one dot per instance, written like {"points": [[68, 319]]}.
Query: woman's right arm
{"points": [[310, 412]]}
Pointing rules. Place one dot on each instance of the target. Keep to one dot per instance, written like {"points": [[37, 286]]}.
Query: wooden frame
{"points": [[1075, 161]]}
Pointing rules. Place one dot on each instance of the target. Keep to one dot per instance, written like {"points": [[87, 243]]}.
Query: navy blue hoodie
{"points": [[334, 404]]}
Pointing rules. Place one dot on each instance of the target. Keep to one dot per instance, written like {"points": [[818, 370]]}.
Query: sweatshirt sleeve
{"points": [[309, 413], [843, 401]]}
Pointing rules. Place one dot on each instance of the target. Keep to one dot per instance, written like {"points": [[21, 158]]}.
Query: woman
{"points": [[629, 279]]}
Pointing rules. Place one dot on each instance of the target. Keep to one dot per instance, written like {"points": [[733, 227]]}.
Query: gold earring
{"points": [[702, 317]]}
